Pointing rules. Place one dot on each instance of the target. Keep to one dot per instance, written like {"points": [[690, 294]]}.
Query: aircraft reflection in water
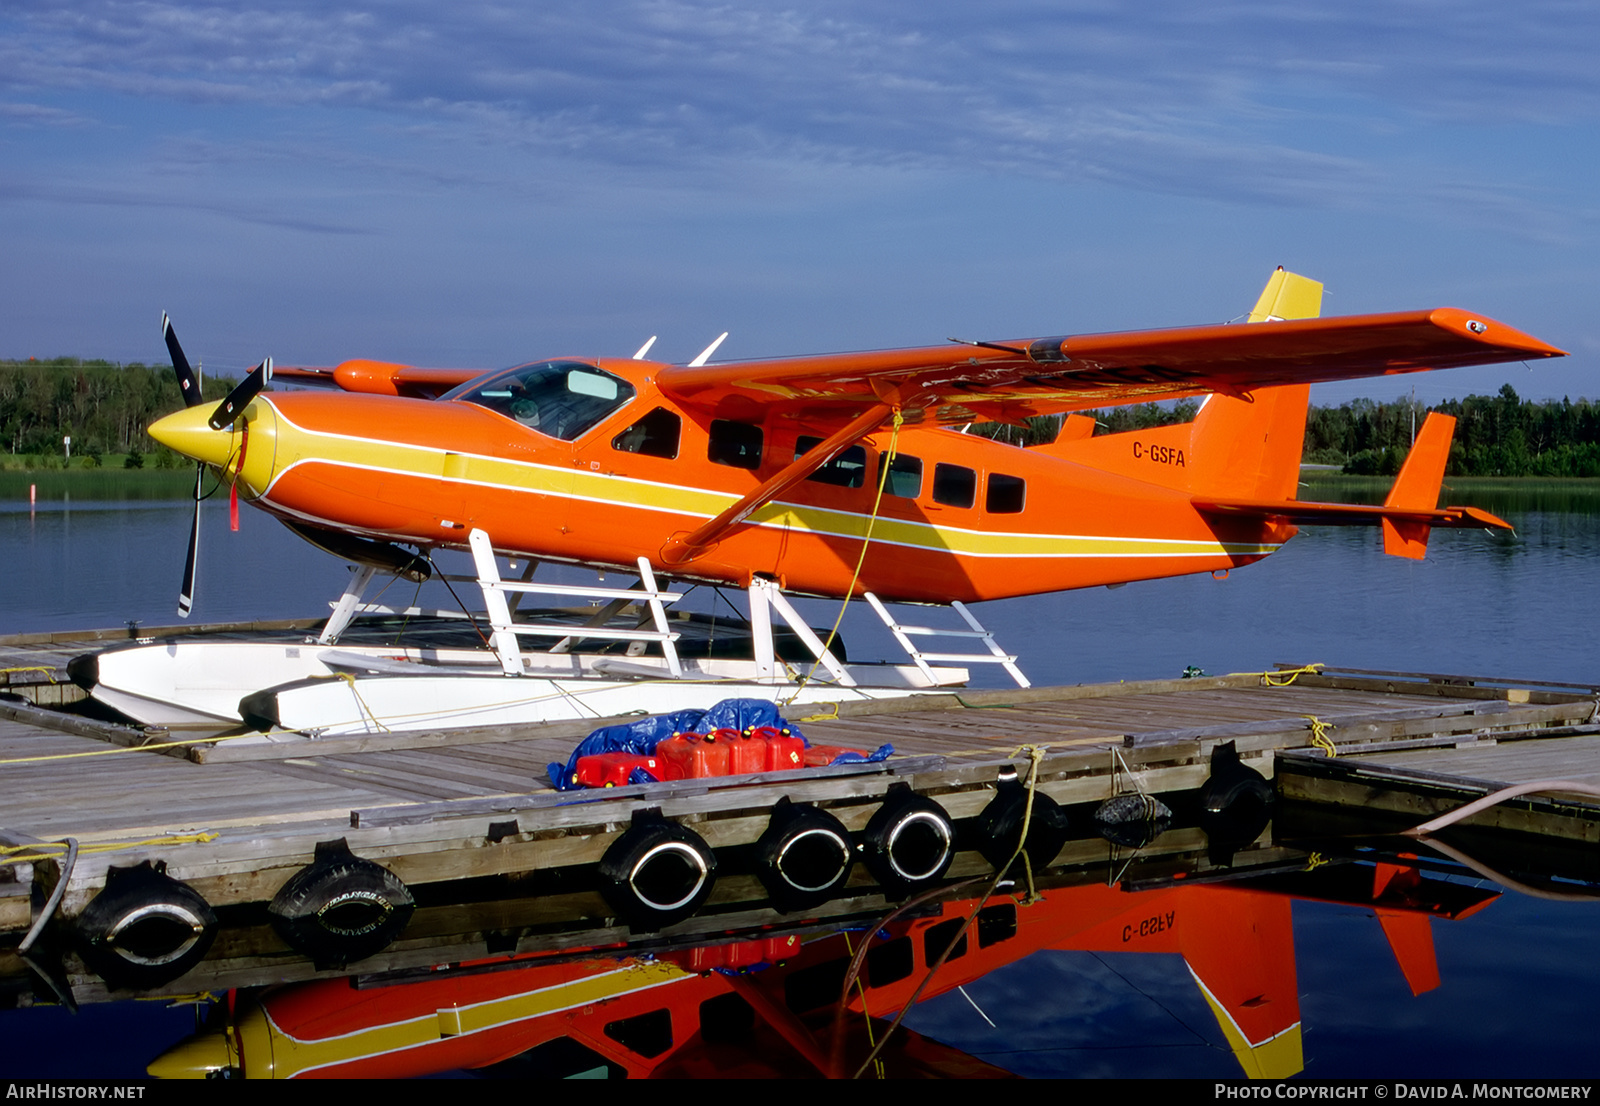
{"points": [[794, 1005]]}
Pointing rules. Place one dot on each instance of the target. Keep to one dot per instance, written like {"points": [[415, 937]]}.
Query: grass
{"points": [[98, 483], [1493, 493]]}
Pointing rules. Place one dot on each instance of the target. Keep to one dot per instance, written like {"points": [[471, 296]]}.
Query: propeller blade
{"points": [[186, 595], [246, 390], [180, 364]]}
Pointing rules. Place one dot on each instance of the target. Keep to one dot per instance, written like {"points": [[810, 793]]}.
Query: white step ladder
{"points": [[903, 634], [766, 597], [505, 631]]}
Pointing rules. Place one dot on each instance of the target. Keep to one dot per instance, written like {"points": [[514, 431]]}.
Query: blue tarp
{"points": [[640, 738]]}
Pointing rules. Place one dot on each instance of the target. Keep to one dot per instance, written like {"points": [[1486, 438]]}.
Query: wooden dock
{"points": [[468, 817]]}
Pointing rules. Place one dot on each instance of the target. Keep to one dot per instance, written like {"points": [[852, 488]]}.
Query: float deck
{"points": [[443, 809]]}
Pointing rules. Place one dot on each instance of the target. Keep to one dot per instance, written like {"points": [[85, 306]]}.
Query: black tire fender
{"points": [[804, 857], [910, 841], [998, 827], [144, 928], [1233, 788], [657, 873], [340, 908]]}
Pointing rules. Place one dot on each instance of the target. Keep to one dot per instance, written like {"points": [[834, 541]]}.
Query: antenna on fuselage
{"points": [[705, 354], [644, 349]]}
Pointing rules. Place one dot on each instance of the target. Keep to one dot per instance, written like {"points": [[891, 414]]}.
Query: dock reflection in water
{"points": [[772, 1006], [813, 999]]}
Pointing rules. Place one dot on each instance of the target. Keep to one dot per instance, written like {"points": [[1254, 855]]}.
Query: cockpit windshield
{"points": [[560, 398]]}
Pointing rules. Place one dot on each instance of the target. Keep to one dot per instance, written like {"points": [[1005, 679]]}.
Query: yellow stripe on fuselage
{"points": [[293, 1056], [501, 474]]}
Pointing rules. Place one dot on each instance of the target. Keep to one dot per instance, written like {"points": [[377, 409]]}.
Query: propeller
{"points": [[226, 413], [243, 392], [187, 382], [189, 385]]}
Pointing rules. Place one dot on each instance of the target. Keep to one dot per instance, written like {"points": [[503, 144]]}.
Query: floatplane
{"points": [[840, 475]]}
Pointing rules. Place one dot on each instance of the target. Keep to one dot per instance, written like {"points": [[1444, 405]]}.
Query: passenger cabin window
{"points": [[905, 475], [655, 435], [848, 470], [563, 399], [1006, 494], [954, 485], [734, 443]]}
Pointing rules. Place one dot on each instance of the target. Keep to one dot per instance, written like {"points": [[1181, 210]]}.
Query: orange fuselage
{"points": [[975, 520]]}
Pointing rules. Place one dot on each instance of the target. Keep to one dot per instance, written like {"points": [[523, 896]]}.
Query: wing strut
{"points": [[679, 551]]}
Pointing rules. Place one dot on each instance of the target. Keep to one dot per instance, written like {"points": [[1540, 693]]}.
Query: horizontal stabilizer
{"points": [[1408, 513], [1352, 514]]}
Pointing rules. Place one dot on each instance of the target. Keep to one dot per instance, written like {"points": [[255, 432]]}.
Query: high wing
{"points": [[382, 378], [1009, 380]]}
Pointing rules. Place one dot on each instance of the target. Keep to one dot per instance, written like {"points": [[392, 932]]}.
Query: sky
{"points": [[480, 184]]}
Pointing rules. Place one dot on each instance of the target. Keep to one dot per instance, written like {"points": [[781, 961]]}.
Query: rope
{"points": [[19, 854], [49, 672], [861, 989], [1035, 755], [823, 717], [63, 877], [1497, 797], [885, 462], [442, 578], [130, 749], [1319, 735], [1283, 677], [350, 678]]}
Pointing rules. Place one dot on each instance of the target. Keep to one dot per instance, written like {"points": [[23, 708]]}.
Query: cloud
{"points": [[39, 115], [1245, 101]]}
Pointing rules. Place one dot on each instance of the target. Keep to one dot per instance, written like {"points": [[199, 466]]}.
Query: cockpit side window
{"points": [[563, 399], [655, 435]]}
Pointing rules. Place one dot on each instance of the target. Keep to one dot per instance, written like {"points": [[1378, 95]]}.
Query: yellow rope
{"points": [[1035, 755], [130, 749], [823, 717], [349, 678], [48, 671], [885, 461], [1319, 735], [1314, 861], [866, 1015], [19, 854], [1283, 677]]}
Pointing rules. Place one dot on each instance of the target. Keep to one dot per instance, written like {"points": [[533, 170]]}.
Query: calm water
{"points": [[1517, 978], [1498, 605]]}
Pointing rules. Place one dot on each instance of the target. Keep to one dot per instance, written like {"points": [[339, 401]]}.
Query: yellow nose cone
{"points": [[196, 1058], [187, 432]]}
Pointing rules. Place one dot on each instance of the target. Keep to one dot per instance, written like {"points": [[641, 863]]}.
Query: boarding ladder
{"points": [[501, 598], [504, 632], [904, 634]]}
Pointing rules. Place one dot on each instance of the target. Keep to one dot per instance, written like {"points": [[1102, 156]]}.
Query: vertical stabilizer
{"points": [[1250, 448], [1250, 445], [1417, 486], [1287, 296]]}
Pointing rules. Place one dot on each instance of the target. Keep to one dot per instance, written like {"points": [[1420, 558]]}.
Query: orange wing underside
{"points": [[1016, 379]]}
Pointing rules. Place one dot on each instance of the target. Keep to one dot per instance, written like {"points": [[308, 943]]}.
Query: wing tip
{"points": [[1482, 328]]}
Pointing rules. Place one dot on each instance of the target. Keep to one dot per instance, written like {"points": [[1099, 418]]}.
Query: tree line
{"points": [[1498, 435], [102, 406], [105, 408]]}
